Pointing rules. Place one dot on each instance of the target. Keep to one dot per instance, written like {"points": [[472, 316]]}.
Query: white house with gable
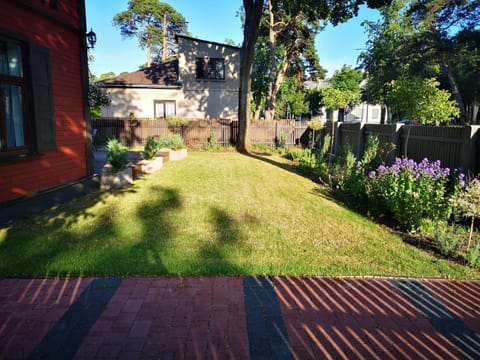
{"points": [[202, 82]]}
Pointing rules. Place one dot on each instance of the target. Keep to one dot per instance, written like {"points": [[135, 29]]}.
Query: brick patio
{"points": [[239, 318]]}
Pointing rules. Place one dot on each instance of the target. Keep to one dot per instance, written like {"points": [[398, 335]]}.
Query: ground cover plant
{"points": [[422, 198], [212, 214]]}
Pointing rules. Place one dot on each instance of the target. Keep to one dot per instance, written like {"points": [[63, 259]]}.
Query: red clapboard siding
{"points": [[68, 161]]}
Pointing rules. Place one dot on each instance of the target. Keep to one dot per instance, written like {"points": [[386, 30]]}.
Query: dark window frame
{"points": [[24, 83], [37, 100], [206, 68]]}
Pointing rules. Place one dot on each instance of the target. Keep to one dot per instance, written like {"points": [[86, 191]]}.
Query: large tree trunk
{"points": [[454, 89], [270, 101], [164, 41], [253, 14]]}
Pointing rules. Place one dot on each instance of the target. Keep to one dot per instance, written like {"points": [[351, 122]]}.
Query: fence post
{"points": [[360, 140], [397, 141], [337, 137], [470, 160]]}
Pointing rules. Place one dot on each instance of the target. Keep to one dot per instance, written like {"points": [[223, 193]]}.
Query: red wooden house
{"points": [[44, 121]]}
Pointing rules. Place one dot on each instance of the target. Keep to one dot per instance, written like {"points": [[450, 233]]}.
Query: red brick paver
{"points": [[204, 318], [462, 298], [30, 308], [349, 319], [194, 318]]}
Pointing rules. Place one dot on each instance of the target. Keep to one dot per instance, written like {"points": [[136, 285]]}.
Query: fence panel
{"points": [[433, 142], [453, 146], [387, 137]]}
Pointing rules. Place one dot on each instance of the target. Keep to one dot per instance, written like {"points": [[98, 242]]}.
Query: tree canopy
{"points": [[332, 11], [426, 39], [154, 24]]}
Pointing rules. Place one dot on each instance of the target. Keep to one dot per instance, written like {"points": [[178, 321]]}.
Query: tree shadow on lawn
{"points": [[52, 245], [229, 239], [66, 250]]}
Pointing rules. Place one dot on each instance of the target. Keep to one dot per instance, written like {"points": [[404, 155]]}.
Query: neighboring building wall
{"points": [[365, 113], [140, 101], [36, 21], [208, 98], [194, 98]]}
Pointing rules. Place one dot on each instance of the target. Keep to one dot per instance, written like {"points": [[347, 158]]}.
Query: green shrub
{"points": [[449, 239], [177, 121], [282, 141], [355, 177], [413, 191], [150, 149], [473, 256], [174, 142], [467, 204], [117, 154], [211, 144], [294, 154]]}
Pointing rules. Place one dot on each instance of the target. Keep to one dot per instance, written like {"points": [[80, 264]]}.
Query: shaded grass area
{"points": [[213, 214]]}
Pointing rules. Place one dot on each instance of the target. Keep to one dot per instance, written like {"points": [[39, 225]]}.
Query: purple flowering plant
{"points": [[412, 191]]}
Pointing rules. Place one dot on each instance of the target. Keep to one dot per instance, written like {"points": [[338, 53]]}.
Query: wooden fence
{"points": [[454, 146], [198, 131]]}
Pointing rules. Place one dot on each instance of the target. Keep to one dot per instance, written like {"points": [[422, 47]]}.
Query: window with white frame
{"points": [[164, 108]]}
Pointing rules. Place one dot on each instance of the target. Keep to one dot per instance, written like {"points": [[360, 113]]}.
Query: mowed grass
{"points": [[212, 214]]}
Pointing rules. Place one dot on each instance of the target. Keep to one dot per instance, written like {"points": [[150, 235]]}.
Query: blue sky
{"points": [[213, 20]]}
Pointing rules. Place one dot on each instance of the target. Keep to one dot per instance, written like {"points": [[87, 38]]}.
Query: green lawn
{"points": [[212, 213]]}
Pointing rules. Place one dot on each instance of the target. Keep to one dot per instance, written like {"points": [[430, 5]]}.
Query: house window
{"points": [[13, 124], [164, 108], [210, 68], [26, 104]]}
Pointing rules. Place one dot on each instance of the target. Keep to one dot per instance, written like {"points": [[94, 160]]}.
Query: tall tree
{"points": [[347, 83], [386, 50], [154, 24], [333, 11], [422, 39], [436, 23], [291, 42]]}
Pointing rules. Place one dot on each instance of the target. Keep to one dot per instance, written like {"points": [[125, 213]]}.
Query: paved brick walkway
{"points": [[235, 318]]}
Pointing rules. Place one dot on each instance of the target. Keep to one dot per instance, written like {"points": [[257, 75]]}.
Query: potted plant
{"points": [[172, 147], [150, 161], [116, 173]]}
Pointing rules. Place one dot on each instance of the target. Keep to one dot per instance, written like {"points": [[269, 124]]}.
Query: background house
{"points": [[202, 82], [43, 88], [363, 112]]}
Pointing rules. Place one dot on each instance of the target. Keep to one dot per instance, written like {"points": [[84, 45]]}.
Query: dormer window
{"points": [[210, 68]]}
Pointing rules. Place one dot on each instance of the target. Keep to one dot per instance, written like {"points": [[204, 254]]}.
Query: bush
{"points": [[177, 121], [354, 182], [150, 149], [282, 141], [174, 142], [212, 144], [449, 239], [294, 154], [412, 192], [473, 256], [117, 155], [467, 204]]}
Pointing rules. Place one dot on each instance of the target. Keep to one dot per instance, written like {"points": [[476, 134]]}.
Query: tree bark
{"points": [[253, 14], [270, 101], [454, 89]]}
